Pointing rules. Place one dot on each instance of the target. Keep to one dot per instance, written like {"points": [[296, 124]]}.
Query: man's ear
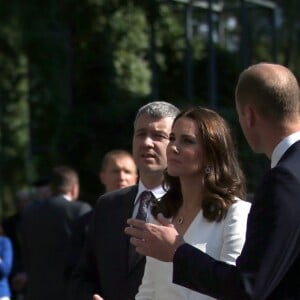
{"points": [[250, 116], [74, 191]]}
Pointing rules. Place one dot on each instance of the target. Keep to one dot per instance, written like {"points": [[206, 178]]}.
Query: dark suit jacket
{"points": [[47, 231], [269, 265], [103, 268]]}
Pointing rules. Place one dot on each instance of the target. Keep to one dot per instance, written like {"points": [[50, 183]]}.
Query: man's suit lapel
{"points": [[136, 261], [128, 203], [126, 209]]}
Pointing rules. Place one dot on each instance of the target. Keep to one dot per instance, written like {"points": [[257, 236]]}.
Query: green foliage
{"points": [[73, 74], [14, 138], [128, 26]]}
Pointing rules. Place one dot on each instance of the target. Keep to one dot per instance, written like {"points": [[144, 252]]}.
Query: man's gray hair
{"points": [[158, 110]]}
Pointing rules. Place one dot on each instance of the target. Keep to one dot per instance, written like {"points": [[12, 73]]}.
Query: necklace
{"points": [[180, 220]]}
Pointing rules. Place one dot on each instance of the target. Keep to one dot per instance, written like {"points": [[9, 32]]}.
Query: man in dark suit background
{"points": [[268, 106], [105, 269], [118, 170], [47, 231]]}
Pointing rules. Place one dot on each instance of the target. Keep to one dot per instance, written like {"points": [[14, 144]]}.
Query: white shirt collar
{"points": [[68, 198], [158, 191], [283, 146]]}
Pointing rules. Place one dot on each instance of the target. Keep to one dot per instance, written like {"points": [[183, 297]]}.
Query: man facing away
{"points": [[109, 267], [47, 232], [268, 106]]}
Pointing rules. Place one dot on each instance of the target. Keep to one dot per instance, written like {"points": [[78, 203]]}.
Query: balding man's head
{"points": [[272, 90]]}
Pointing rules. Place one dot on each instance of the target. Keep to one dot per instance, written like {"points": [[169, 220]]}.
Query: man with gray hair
{"points": [[109, 267]]}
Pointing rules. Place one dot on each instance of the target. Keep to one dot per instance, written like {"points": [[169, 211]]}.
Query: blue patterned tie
{"points": [[144, 201]]}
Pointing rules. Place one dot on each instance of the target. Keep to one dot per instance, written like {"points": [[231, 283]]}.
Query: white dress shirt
{"points": [[283, 146], [68, 198], [223, 241]]}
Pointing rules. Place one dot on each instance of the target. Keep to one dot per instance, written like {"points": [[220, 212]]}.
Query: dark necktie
{"points": [[144, 201]]}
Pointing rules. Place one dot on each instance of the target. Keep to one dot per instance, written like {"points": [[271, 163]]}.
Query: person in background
{"points": [[12, 229], [109, 267], [6, 260], [47, 233], [118, 170], [268, 104], [24, 199], [41, 189], [205, 185]]}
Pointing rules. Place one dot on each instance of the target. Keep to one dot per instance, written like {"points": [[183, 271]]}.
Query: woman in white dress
{"points": [[205, 187]]}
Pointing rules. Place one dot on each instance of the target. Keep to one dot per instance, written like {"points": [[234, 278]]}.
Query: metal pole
{"points": [[188, 51], [274, 33], [154, 80], [244, 35], [211, 59]]}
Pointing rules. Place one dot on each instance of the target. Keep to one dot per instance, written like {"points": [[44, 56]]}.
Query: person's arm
{"points": [[6, 257], [196, 270], [271, 247]]}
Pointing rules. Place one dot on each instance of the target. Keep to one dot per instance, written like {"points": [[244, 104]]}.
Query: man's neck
{"points": [[274, 138], [151, 182]]}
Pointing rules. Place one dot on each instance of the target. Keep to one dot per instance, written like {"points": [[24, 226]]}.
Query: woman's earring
{"points": [[207, 170]]}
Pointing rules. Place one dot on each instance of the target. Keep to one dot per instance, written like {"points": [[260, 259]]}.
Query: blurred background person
{"points": [[41, 188], [12, 229], [47, 232], [118, 170], [6, 259]]}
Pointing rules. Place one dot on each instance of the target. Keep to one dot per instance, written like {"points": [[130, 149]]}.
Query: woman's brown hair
{"points": [[223, 178]]}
